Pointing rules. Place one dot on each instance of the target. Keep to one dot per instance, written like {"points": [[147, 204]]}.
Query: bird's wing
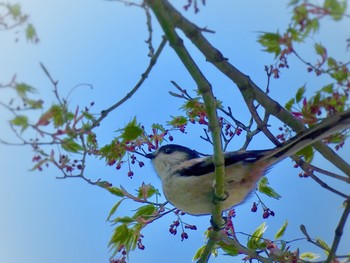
{"points": [[206, 165]]}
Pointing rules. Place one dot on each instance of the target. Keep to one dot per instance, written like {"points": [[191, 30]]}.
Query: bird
{"points": [[188, 177]]}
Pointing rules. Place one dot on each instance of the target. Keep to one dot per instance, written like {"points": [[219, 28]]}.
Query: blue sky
{"points": [[102, 43]]}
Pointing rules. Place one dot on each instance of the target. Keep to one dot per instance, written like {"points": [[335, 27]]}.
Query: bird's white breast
{"points": [[195, 194]]}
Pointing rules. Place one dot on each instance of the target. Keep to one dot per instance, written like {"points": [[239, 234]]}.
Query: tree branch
{"points": [[161, 9], [339, 231]]}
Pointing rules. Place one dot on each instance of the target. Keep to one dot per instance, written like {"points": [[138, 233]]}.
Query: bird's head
{"points": [[170, 157]]}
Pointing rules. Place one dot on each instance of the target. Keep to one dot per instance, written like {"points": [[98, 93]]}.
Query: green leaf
{"points": [[255, 241], [308, 256], [124, 220], [314, 25], [39, 164], [131, 131], [324, 245], [121, 234], [340, 75], [21, 121], [336, 8], [57, 115], [193, 104], [146, 191], [71, 146], [178, 121], [15, 10], [198, 253], [316, 99], [91, 140], [30, 33], [158, 126], [34, 104], [22, 89], [328, 88], [103, 184], [264, 188], [229, 249], [144, 211], [320, 50], [114, 208], [271, 42], [116, 191], [307, 152], [295, 34], [289, 104], [126, 237], [281, 231], [332, 63], [300, 94]]}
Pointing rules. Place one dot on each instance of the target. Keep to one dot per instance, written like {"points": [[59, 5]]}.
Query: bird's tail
{"points": [[329, 126]]}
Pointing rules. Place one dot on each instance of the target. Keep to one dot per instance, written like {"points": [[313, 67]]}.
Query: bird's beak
{"points": [[150, 156]]}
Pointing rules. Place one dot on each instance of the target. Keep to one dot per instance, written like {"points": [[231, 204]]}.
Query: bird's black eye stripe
{"points": [[171, 148]]}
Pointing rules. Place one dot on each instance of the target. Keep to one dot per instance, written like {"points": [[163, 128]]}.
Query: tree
{"points": [[73, 131]]}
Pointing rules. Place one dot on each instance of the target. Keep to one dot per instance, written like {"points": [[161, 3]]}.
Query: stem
{"points": [[339, 232]]}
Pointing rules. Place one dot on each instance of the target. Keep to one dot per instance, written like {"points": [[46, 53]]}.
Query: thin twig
{"points": [[144, 76]]}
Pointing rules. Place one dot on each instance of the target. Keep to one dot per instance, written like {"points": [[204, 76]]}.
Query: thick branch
{"points": [[339, 231], [161, 10]]}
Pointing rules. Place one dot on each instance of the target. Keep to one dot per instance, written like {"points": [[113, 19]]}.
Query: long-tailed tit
{"points": [[188, 177]]}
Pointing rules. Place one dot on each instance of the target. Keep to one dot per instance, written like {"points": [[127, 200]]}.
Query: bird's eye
{"points": [[168, 150]]}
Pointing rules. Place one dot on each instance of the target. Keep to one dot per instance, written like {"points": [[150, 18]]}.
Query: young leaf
{"points": [[308, 256], [263, 187], [88, 116], [323, 244], [30, 33], [131, 131], [15, 10], [178, 121], [71, 146], [336, 8], [271, 42], [281, 231], [22, 89], [307, 152], [104, 184], [34, 104], [158, 126], [39, 164], [332, 63], [124, 220], [255, 241], [198, 253], [114, 208], [320, 50], [57, 115], [229, 249], [328, 88], [146, 191], [144, 211], [121, 234], [20, 120], [116, 191], [300, 94], [289, 104]]}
